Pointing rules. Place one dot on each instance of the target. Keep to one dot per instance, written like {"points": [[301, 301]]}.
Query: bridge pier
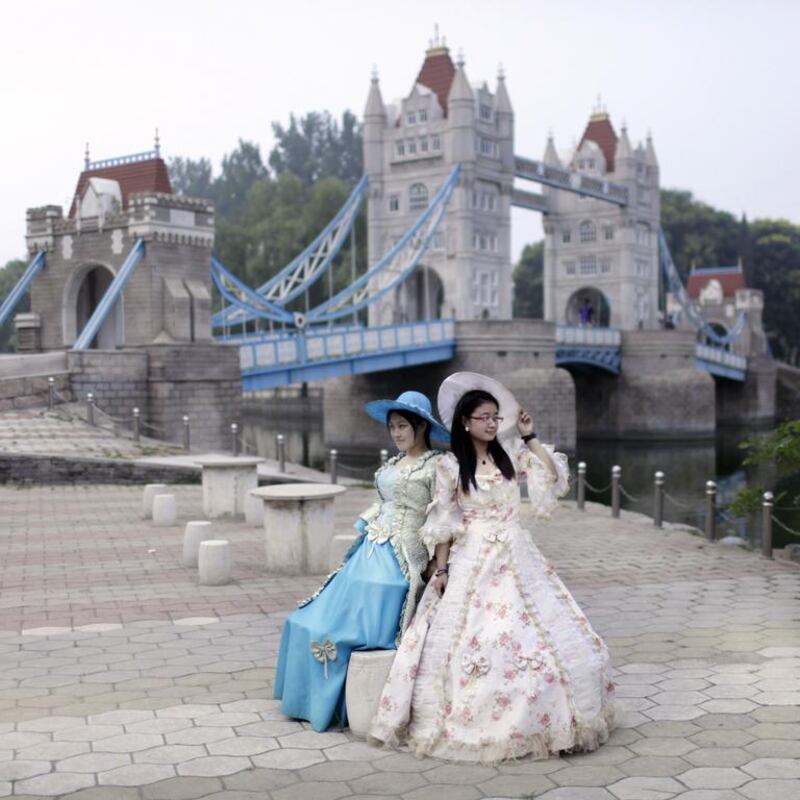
{"points": [[752, 402], [659, 394], [520, 353]]}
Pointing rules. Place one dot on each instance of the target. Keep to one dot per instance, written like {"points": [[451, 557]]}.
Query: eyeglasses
{"points": [[487, 418]]}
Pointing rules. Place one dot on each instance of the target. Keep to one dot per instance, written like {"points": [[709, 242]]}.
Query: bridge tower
{"points": [[597, 252], [410, 148], [154, 349]]}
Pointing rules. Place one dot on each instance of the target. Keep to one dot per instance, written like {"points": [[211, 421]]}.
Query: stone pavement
{"points": [[121, 679]]}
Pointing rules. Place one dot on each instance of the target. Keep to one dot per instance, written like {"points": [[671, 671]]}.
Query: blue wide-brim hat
{"points": [[416, 403]]}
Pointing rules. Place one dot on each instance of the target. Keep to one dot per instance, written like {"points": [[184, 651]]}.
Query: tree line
{"points": [[268, 210]]}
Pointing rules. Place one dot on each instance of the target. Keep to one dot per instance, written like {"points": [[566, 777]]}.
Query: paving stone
{"points": [[136, 775], [770, 768], [122, 717], [713, 778], [55, 783], [669, 728], [395, 762], [312, 739], [653, 766], [771, 789], [662, 746], [519, 785], [711, 794], [722, 738], [15, 741], [444, 790], [160, 726], [645, 788], [460, 774], [103, 793], [242, 746], [86, 733], [607, 755], [18, 769], [198, 735], [359, 751], [288, 759], [181, 788], [576, 793], [259, 780], [587, 776], [718, 757], [397, 783], [775, 748], [169, 754], [128, 743], [210, 766], [93, 762], [47, 724]]}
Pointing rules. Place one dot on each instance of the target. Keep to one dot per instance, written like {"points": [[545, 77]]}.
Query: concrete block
{"points": [[214, 562], [340, 544], [366, 676], [150, 491], [165, 510], [193, 535], [253, 510]]}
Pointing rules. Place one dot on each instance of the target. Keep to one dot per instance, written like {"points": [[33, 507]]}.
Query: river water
{"points": [[687, 466]]}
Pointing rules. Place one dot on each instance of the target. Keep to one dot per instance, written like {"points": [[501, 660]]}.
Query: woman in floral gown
{"points": [[369, 600], [499, 661]]}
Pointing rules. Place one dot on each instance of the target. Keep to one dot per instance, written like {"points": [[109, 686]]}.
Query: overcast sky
{"points": [[716, 81]]}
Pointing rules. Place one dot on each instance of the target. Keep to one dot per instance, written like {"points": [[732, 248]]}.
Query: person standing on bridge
{"points": [[367, 603], [499, 661]]}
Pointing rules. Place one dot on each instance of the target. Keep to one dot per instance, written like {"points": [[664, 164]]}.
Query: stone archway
{"points": [[421, 296], [719, 329], [593, 301], [81, 296]]}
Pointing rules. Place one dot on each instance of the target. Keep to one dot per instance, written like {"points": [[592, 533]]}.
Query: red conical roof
{"points": [[147, 175], [437, 74], [602, 133]]}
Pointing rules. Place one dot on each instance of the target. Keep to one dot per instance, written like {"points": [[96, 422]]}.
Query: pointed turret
{"points": [[650, 152], [550, 154], [502, 100], [624, 150], [460, 90], [374, 108]]}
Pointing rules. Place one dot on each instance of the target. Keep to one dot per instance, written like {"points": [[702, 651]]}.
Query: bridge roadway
{"points": [[122, 679], [281, 358]]}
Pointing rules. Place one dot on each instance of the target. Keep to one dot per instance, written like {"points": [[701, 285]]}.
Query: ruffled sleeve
{"points": [[444, 519], [371, 512], [543, 491]]}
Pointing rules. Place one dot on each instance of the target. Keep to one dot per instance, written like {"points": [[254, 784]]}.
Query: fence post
{"points": [[281, 452], [658, 500], [711, 511], [90, 408], [187, 441], [51, 393], [334, 455], [234, 439], [616, 476], [766, 524], [384, 456], [581, 487], [135, 425]]}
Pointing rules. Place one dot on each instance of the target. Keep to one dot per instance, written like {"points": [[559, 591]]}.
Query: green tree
{"points": [[241, 169], [316, 146], [529, 282], [191, 178], [9, 275]]}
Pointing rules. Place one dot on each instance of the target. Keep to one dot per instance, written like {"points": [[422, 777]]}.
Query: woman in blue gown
{"points": [[368, 602]]}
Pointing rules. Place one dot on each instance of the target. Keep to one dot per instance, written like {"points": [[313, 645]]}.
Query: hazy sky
{"points": [[715, 80]]}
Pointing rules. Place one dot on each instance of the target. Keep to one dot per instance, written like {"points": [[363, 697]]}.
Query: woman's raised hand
{"points": [[524, 422]]}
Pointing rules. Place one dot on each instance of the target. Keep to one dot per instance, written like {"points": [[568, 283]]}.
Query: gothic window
{"points": [[569, 267], [417, 197], [486, 113], [422, 115], [566, 236], [588, 265], [436, 143], [411, 118], [605, 265], [608, 232], [394, 202], [474, 199], [588, 231], [412, 146], [494, 297], [423, 144], [401, 148]]}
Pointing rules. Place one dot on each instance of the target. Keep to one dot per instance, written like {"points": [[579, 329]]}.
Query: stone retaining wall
{"points": [[31, 391]]}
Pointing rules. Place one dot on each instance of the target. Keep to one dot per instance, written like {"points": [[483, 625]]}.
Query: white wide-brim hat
{"points": [[455, 386]]}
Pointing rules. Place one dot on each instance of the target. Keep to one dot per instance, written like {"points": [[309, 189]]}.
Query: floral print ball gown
{"points": [[505, 664]]}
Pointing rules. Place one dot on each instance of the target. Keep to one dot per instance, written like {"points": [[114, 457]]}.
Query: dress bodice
{"points": [[404, 492]]}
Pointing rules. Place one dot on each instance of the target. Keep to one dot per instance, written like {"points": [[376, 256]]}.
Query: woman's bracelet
{"points": [[441, 571], [528, 436]]}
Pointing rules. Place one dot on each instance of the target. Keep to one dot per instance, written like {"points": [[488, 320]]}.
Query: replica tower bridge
{"points": [[128, 267]]}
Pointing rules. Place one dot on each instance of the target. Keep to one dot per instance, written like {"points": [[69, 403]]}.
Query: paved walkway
{"points": [[120, 678]]}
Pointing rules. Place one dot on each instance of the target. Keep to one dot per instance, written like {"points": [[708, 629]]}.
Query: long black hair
{"points": [[415, 421], [462, 446]]}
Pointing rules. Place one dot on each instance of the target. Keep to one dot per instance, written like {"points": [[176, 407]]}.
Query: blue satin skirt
{"points": [[358, 610]]}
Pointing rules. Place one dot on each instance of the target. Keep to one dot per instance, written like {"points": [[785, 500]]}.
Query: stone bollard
{"points": [[581, 486], [253, 510], [767, 502], [658, 499], [136, 425], [384, 456], [234, 439], [340, 544], [616, 477], [187, 437], [711, 511], [90, 408], [334, 457], [366, 677], [165, 510], [194, 535], [281, 447], [214, 562], [150, 491], [51, 393]]}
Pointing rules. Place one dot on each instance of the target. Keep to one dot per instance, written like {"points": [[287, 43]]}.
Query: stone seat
{"points": [[366, 677], [150, 491], [214, 562]]}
